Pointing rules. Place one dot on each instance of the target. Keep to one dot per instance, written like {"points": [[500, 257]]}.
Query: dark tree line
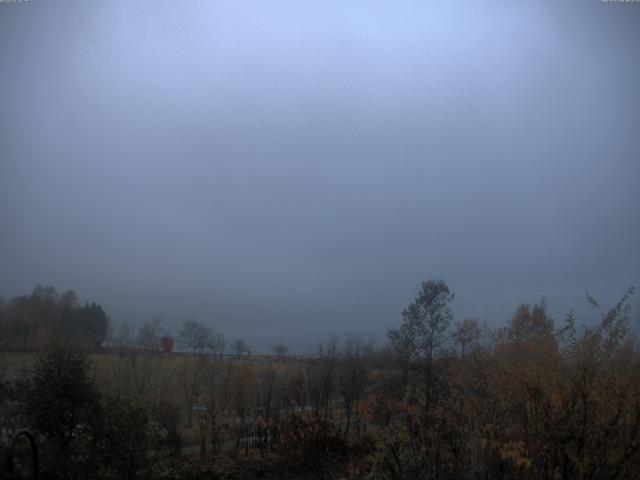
{"points": [[28, 322]]}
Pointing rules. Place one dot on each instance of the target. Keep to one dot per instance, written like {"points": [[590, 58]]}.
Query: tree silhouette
{"points": [[422, 333]]}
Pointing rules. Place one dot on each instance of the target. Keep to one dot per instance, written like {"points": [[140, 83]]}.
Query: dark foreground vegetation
{"points": [[533, 400]]}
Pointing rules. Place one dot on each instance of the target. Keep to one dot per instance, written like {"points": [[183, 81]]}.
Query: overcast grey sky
{"points": [[285, 169]]}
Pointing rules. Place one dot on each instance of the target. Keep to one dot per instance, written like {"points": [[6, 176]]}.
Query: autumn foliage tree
{"points": [[542, 402], [166, 343]]}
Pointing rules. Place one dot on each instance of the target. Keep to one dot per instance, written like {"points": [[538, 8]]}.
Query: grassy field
{"points": [[14, 366]]}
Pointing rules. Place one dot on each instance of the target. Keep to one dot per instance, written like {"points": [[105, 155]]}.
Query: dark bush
{"points": [[309, 444]]}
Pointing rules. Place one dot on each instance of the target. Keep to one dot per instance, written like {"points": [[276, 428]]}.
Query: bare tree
{"points": [[123, 336], [191, 378], [241, 347], [215, 403], [194, 336], [241, 402], [217, 344], [321, 377], [280, 349], [148, 337], [353, 377], [138, 374]]}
